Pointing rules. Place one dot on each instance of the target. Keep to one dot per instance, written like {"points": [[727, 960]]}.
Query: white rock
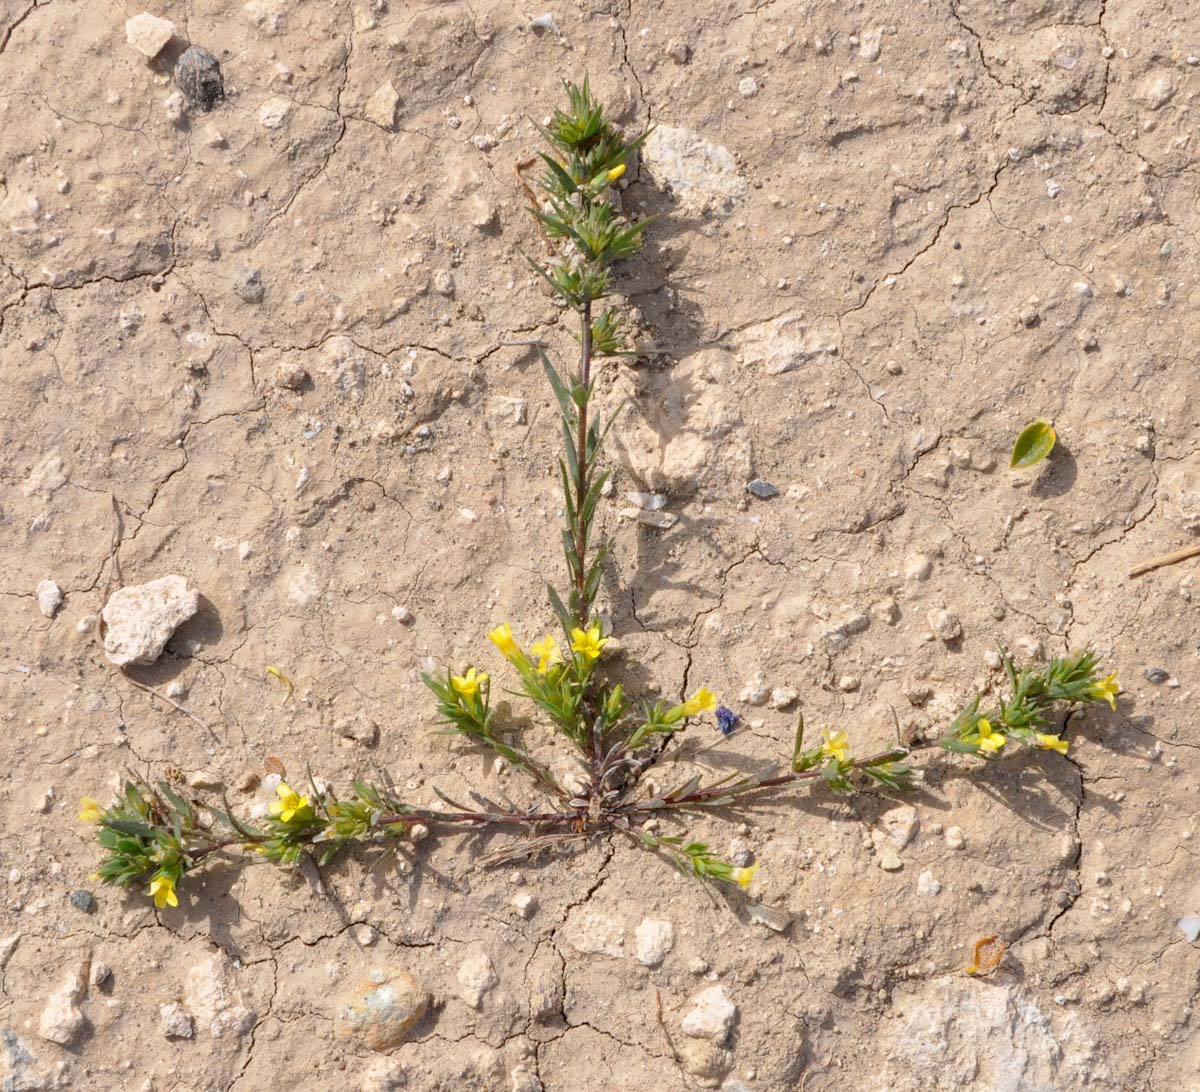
{"points": [[49, 597], [747, 87], [887, 610], [148, 34], [955, 838], [740, 853], [8, 945], [784, 696], [890, 861], [213, 997], [595, 933], [175, 107], [524, 904], [901, 824], [945, 625], [142, 617], [175, 1022], [654, 939], [703, 176], [403, 615], [1190, 927], [712, 1015], [756, 691], [789, 342], [927, 885], [274, 112], [523, 1080], [870, 43], [918, 568], [443, 282], [346, 366], [476, 975], [61, 1020], [382, 106], [385, 1074]]}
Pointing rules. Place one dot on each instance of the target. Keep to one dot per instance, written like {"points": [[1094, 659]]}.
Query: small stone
{"points": [[712, 1015], [1156, 675], [663, 521], [756, 691], [945, 625], [364, 935], [142, 617], [762, 489], [955, 839], [290, 376], [678, 50], [887, 610], [175, 1022], [523, 1080], [380, 1014], [927, 885], [361, 729], [83, 900], [274, 112], [213, 137], [403, 615], [8, 945], [148, 34], [177, 688], [198, 74], [384, 1074], [175, 108], [993, 659], [382, 106], [249, 286], [524, 904], [49, 597], [918, 568], [212, 996], [890, 861], [849, 683], [651, 502], [593, 932], [654, 940], [100, 973], [61, 1021], [1190, 927], [775, 918], [740, 853], [705, 1060], [783, 697], [204, 779], [476, 975], [545, 21], [443, 282], [901, 824], [747, 87], [1028, 315]]}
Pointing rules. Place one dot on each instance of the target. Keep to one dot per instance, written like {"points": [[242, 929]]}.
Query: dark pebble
{"points": [[762, 489], [198, 74], [1156, 675], [83, 900]]}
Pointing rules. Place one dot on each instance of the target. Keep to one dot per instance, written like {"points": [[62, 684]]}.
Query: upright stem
{"points": [[581, 482]]}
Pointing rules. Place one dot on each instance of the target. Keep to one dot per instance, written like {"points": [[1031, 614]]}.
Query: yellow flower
{"points": [[163, 890], [468, 685], [743, 876], [700, 702], [616, 172], [502, 638], [90, 811], [547, 652], [588, 644], [289, 804], [1051, 743], [836, 745], [989, 742], [1107, 690]]}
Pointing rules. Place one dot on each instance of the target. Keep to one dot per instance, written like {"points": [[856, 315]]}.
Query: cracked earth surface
{"points": [[951, 218]]}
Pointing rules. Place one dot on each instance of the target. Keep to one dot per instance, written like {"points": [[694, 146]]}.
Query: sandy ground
{"points": [[890, 235]]}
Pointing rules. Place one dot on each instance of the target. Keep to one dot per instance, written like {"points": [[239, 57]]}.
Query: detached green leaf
{"points": [[1033, 445]]}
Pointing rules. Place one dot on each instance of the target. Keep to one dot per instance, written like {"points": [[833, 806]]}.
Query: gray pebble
{"points": [[1156, 674], [83, 900], [762, 489], [248, 284], [198, 74]]}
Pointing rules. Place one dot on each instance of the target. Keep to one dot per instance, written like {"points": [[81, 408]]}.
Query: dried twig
{"points": [[1173, 558]]}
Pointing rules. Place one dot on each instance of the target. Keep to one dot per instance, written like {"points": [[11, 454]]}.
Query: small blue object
{"points": [[727, 719], [83, 900]]}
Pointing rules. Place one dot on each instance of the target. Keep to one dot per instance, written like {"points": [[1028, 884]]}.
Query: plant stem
{"points": [[581, 482]]}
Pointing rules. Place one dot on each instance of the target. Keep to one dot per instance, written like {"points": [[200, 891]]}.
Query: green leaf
{"points": [[560, 391], [1033, 445]]}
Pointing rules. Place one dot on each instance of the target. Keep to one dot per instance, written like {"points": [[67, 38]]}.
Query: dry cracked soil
{"points": [[274, 348]]}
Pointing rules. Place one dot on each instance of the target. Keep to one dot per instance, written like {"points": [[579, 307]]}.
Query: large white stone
{"points": [[654, 940], [703, 176], [61, 1021], [148, 34], [211, 994], [382, 106], [142, 617], [712, 1015]]}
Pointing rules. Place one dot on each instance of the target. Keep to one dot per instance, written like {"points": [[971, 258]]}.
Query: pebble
{"points": [[901, 824], [678, 51], [524, 1080], [62, 1021], [1156, 675], [382, 106], [381, 1011], [175, 1022], [918, 568], [651, 502], [775, 918], [384, 1074], [1190, 927], [762, 489], [712, 1015], [955, 839], [653, 941], [83, 900], [945, 625], [663, 521], [524, 904], [756, 691], [703, 176], [142, 617], [403, 615], [887, 610], [274, 112], [249, 286], [359, 728], [8, 945], [747, 87], [740, 853], [175, 108], [993, 659], [849, 683], [148, 34], [212, 996], [783, 697], [443, 282], [290, 376], [49, 597], [890, 861], [593, 932], [198, 74], [476, 975], [927, 885]]}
